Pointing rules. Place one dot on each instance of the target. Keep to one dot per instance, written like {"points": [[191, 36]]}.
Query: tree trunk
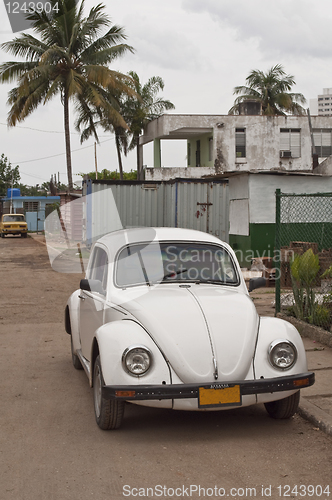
{"points": [[67, 138], [118, 149], [139, 172]]}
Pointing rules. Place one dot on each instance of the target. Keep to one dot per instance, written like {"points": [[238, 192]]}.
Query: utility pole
{"points": [[11, 194], [96, 160]]}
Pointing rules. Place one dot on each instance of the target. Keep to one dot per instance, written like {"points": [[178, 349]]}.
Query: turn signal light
{"points": [[299, 383], [124, 394]]}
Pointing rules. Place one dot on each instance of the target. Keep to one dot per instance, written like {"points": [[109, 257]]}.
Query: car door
{"points": [[92, 304]]}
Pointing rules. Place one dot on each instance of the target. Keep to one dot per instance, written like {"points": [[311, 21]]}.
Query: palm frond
{"points": [[271, 89], [26, 46], [13, 70]]}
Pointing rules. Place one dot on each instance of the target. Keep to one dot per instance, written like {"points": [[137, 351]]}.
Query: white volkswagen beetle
{"points": [[164, 319]]}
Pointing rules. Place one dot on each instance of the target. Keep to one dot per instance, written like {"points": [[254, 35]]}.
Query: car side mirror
{"points": [[92, 286], [256, 283]]}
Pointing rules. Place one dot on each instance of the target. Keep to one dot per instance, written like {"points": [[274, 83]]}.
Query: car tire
{"points": [[75, 359], [109, 413], [283, 408], [24, 235]]}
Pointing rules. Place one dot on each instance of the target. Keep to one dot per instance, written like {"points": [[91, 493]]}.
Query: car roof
{"points": [[120, 238]]}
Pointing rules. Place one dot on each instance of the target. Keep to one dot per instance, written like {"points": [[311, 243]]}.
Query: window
{"points": [[174, 262], [31, 206], [188, 153], [290, 142], [13, 218], [323, 141], [99, 266], [240, 142]]}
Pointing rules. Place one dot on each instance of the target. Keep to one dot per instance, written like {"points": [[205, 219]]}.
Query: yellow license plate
{"points": [[219, 396]]}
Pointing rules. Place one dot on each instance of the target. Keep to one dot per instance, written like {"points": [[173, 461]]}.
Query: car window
{"points": [[13, 218], [99, 267], [174, 262]]}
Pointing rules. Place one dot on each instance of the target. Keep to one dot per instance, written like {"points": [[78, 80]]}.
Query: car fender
{"points": [[113, 339], [271, 329], [72, 313]]}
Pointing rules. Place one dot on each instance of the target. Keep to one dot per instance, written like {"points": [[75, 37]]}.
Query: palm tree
{"points": [[138, 112], [137, 107], [271, 89], [70, 58], [90, 117]]}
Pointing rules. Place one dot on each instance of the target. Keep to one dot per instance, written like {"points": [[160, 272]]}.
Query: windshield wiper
{"points": [[174, 273]]}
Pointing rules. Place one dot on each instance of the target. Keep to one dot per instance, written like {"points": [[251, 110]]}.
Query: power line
{"points": [[61, 154], [39, 130], [46, 131]]}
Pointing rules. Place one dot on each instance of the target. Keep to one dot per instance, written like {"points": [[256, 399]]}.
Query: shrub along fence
{"points": [[303, 250]]}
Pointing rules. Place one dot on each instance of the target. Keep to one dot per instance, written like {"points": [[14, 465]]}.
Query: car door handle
{"points": [[80, 297]]}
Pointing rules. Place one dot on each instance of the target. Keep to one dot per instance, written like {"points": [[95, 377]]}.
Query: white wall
{"points": [[262, 188]]}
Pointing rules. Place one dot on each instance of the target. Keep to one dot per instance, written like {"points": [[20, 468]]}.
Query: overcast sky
{"points": [[202, 49]]}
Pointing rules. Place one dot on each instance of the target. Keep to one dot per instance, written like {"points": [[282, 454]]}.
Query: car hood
{"points": [[199, 327]]}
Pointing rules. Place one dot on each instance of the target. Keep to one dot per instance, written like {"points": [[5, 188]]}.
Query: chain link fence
{"points": [[303, 221]]}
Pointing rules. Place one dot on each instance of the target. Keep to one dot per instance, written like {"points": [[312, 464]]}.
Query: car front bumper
{"points": [[211, 394]]}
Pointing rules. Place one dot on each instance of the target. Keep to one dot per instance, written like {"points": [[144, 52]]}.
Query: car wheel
{"points": [[24, 235], [283, 408], [75, 359], [109, 413]]}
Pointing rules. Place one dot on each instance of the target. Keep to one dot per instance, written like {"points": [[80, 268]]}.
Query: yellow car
{"points": [[13, 224]]}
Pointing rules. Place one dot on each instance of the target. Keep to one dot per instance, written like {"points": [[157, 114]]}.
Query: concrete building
{"points": [[218, 144], [323, 104], [33, 207], [255, 155], [252, 208]]}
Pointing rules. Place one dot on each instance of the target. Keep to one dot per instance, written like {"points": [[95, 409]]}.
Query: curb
{"points": [[316, 416], [39, 239]]}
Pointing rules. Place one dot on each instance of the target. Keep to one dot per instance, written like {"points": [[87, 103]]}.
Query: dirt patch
{"points": [[48, 291]]}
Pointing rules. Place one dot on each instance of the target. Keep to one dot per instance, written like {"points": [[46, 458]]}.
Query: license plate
{"points": [[214, 396]]}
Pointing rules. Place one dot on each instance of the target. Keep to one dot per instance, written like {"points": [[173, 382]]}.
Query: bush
{"points": [[321, 316]]}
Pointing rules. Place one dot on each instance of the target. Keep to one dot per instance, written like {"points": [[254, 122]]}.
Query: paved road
{"points": [[51, 448]]}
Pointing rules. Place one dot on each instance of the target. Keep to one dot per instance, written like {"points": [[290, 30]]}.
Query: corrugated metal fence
{"points": [[194, 204]]}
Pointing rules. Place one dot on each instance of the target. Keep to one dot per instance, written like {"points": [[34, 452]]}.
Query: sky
{"points": [[202, 49]]}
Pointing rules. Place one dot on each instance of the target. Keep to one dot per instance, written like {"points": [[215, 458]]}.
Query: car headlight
{"points": [[137, 360], [282, 354]]}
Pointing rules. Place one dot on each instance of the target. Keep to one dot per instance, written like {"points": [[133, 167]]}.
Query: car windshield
{"points": [[174, 262], [13, 218]]}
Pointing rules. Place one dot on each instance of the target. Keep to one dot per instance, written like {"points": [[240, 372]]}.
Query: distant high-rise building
{"points": [[324, 102]]}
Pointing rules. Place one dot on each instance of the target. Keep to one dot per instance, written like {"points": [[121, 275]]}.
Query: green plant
{"points": [[327, 273], [107, 175], [321, 316], [304, 270]]}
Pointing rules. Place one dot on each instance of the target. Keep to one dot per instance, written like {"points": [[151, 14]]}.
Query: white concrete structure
{"points": [[218, 144]]}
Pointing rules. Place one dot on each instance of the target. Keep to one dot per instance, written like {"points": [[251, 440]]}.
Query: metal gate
{"points": [[35, 220]]}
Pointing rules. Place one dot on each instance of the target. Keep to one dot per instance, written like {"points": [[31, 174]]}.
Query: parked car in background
{"points": [[164, 319], [13, 224]]}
